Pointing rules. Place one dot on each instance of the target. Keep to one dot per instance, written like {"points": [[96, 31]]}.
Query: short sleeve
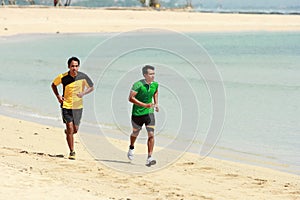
{"points": [[136, 86], [57, 80], [156, 86], [89, 81]]}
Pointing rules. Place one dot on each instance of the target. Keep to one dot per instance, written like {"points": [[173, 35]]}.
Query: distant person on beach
{"points": [[10, 2], [57, 3], [141, 95], [151, 3], [13, 2], [68, 2], [75, 85]]}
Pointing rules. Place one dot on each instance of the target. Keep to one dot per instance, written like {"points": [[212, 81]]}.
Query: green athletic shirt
{"points": [[144, 94]]}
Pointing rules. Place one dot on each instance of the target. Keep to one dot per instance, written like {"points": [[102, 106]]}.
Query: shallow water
{"points": [[259, 73]]}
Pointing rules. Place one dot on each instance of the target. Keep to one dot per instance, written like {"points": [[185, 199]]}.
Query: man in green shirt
{"points": [[141, 95]]}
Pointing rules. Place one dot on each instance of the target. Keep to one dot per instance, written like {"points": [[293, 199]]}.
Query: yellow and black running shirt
{"points": [[71, 87]]}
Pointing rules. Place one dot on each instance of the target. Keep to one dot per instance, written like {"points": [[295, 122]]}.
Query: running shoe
{"points": [[72, 155], [130, 154], [150, 161]]}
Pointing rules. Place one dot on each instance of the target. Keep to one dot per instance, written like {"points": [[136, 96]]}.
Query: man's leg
{"points": [[150, 160], [70, 131], [150, 127], [150, 143], [137, 123], [77, 114], [75, 127], [133, 136], [71, 118], [69, 134]]}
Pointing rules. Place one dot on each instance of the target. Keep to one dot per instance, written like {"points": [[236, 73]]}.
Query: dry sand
{"points": [[34, 163], [62, 20]]}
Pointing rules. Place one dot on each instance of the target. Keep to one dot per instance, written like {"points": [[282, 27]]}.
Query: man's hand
{"points": [[87, 91], [149, 105], [60, 98], [80, 95], [156, 108]]}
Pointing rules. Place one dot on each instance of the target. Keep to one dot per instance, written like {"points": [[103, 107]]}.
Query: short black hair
{"points": [[146, 67], [73, 59]]}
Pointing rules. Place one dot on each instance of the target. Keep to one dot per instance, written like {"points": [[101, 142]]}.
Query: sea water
{"points": [[259, 72]]}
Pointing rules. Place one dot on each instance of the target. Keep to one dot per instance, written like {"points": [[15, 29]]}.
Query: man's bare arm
{"points": [[133, 100], [55, 91]]}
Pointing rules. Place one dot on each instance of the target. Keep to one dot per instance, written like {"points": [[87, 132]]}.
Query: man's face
{"points": [[74, 67], [149, 76]]}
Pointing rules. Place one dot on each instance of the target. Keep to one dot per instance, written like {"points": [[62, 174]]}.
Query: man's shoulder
{"points": [[136, 85], [139, 83], [155, 83], [142, 81], [63, 75], [81, 75]]}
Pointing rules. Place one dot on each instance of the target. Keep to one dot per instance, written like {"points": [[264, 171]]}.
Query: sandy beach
{"points": [[34, 165], [34, 162], [65, 20]]}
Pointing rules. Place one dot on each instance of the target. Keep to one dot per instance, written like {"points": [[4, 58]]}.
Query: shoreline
{"points": [[219, 152]]}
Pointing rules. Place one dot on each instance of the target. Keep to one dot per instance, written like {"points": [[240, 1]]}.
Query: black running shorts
{"points": [[71, 115], [138, 121]]}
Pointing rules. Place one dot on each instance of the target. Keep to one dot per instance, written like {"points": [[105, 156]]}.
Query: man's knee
{"points": [[135, 133], [150, 135], [75, 129], [150, 128], [69, 131], [70, 128]]}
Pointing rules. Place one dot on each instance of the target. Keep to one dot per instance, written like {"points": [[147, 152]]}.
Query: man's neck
{"points": [[148, 82], [73, 74]]}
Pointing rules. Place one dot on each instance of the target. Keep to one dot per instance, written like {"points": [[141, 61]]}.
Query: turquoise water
{"points": [[259, 71]]}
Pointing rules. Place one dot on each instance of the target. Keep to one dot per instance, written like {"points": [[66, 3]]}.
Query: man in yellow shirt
{"points": [[75, 85]]}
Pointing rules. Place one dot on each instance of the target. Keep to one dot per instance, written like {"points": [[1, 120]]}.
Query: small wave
{"points": [[250, 11]]}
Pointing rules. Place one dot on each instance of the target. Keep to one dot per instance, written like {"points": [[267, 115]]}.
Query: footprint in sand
{"points": [[260, 181], [232, 175]]}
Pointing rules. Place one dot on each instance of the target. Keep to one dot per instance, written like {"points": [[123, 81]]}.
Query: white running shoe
{"points": [[130, 154], [150, 161]]}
